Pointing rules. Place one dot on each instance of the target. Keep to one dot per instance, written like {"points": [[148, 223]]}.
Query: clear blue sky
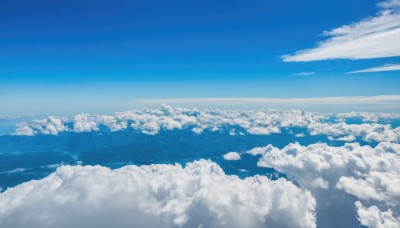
{"points": [[65, 55]]}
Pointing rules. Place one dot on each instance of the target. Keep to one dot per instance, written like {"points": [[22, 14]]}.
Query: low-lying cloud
{"points": [[340, 176], [198, 195], [262, 122]]}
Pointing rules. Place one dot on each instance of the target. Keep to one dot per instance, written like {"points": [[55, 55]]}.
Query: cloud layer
{"points": [[373, 37], [264, 122], [324, 104], [198, 195]]}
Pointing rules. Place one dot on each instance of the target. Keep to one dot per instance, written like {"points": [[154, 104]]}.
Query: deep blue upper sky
{"points": [[55, 51]]}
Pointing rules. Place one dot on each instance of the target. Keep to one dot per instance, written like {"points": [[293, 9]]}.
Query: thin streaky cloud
{"points": [[387, 67], [304, 73], [320, 104], [372, 37]]}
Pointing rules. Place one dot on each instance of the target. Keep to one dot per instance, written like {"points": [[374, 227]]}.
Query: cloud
{"points": [[349, 132], [389, 4], [151, 121], [337, 177], [320, 104], [199, 195], [304, 73], [263, 122], [232, 156], [373, 217], [372, 37], [51, 125], [368, 116], [387, 67]]}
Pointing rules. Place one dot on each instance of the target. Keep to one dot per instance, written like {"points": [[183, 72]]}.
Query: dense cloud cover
{"points": [[370, 175], [198, 195], [330, 186], [264, 122]]}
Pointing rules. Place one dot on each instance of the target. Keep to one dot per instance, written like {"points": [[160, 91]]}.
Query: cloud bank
{"points": [[373, 37], [198, 195], [263, 122], [362, 175]]}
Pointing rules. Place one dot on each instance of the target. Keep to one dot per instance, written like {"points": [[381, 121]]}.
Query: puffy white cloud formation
{"points": [[373, 37], [368, 116], [373, 217], [51, 125], [232, 156], [199, 195], [263, 122], [370, 175], [349, 132], [151, 121]]}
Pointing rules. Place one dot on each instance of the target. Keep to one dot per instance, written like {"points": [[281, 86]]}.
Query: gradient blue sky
{"points": [[73, 56]]}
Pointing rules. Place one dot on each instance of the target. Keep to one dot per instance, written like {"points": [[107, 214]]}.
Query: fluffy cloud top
{"points": [[51, 125], [368, 116], [232, 156], [264, 122], [373, 217], [199, 195], [370, 175], [373, 37]]}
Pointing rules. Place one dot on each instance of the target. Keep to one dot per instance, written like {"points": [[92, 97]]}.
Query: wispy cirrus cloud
{"points": [[320, 104], [304, 73], [372, 37], [386, 67]]}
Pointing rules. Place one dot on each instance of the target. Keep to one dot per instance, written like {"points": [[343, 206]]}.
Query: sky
{"points": [[100, 56]]}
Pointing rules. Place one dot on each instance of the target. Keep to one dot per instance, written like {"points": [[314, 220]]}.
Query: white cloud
{"points": [[339, 176], [232, 156], [374, 218], [372, 37], [151, 121], [199, 195], [390, 4], [368, 116], [318, 104], [51, 125], [263, 122], [349, 132], [387, 67], [304, 73]]}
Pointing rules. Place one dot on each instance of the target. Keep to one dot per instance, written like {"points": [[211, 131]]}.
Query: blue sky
{"points": [[72, 56]]}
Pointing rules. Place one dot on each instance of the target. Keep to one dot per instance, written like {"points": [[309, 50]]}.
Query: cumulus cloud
{"points": [[387, 67], [262, 122], [51, 125], [374, 218], [151, 121], [349, 132], [339, 176], [372, 37], [368, 116], [232, 156], [198, 195]]}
